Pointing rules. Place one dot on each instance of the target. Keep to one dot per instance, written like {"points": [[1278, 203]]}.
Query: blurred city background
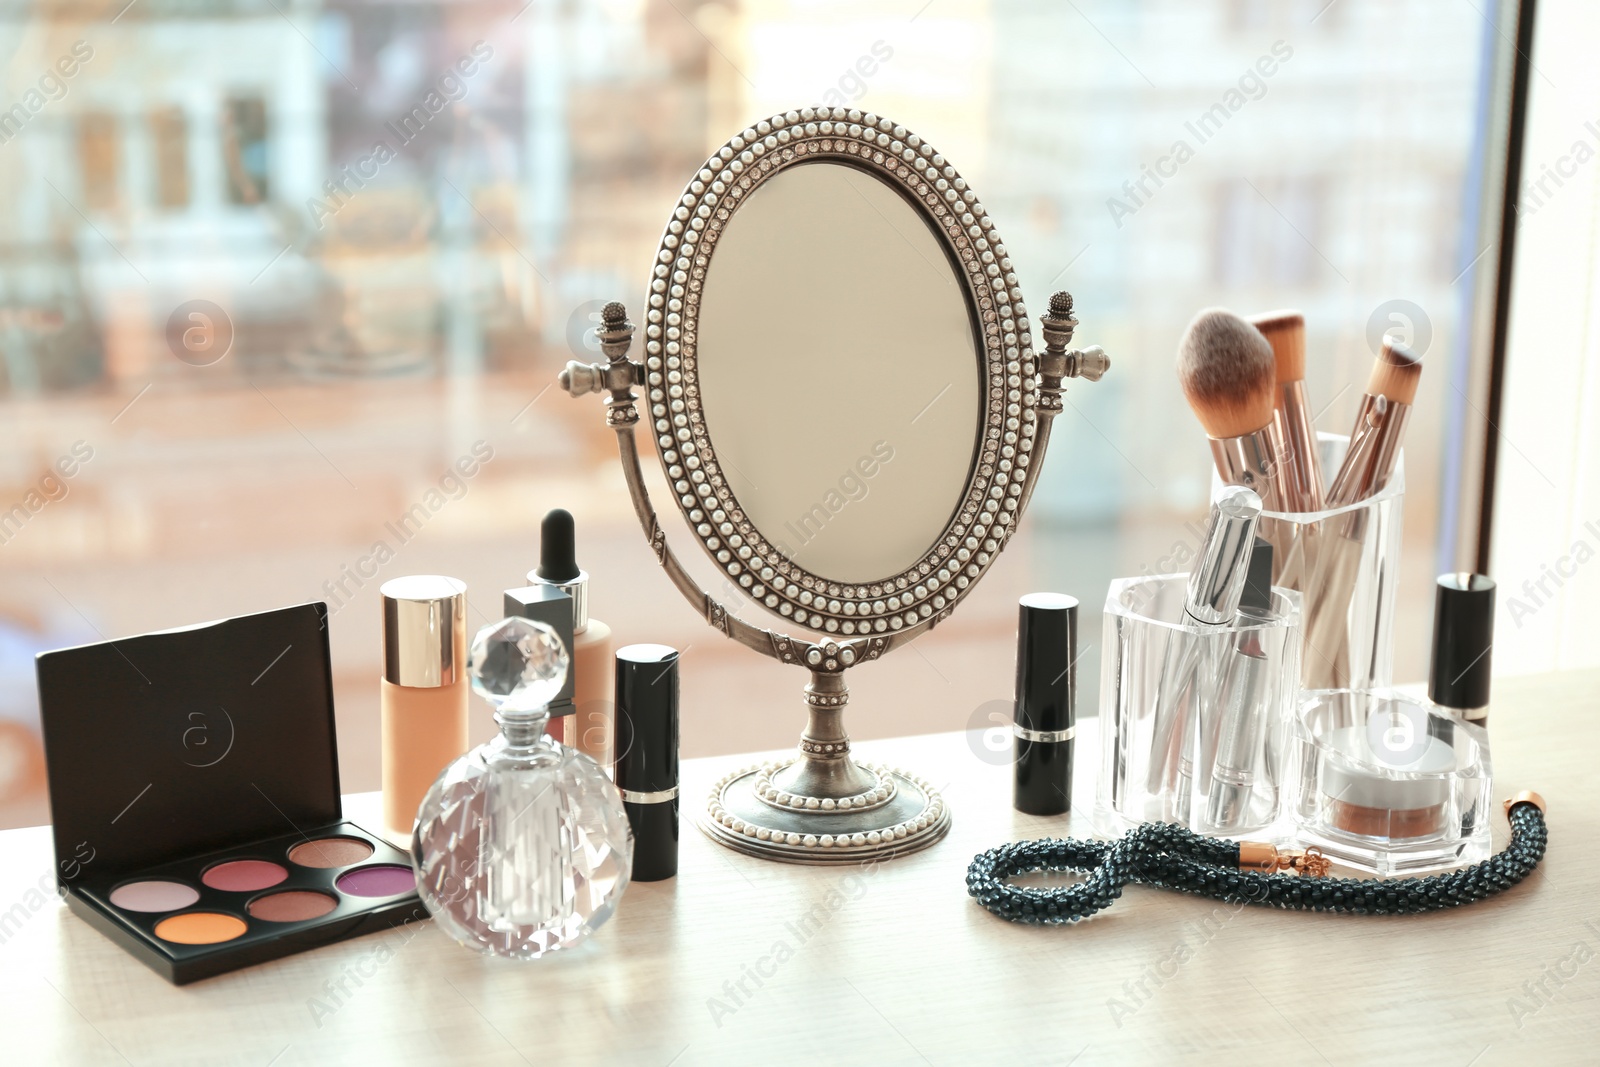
{"points": [[409, 214]]}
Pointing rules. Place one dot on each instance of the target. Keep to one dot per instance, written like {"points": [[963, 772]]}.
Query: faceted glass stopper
{"points": [[518, 665]]}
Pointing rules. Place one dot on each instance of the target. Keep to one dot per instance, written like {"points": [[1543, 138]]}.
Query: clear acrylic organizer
{"points": [[1388, 783], [1344, 562], [1193, 719]]}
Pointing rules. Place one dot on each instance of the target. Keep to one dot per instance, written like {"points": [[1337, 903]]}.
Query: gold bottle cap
{"points": [[424, 630]]}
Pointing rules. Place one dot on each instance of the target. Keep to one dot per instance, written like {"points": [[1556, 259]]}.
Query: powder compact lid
{"points": [[181, 742], [1395, 761]]}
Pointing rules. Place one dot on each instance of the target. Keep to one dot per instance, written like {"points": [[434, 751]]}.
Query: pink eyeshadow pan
{"points": [[244, 876], [153, 896]]}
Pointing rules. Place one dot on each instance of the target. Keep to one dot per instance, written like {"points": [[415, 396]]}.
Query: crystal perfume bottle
{"points": [[522, 846]]}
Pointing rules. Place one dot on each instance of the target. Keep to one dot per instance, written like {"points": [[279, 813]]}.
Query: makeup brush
{"points": [[1285, 331], [1368, 465], [1380, 425], [1227, 372]]}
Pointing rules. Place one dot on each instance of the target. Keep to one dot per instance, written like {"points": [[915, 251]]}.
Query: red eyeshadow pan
{"points": [[244, 876]]}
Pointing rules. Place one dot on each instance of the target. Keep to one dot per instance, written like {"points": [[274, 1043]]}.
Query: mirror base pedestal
{"points": [[823, 807]]}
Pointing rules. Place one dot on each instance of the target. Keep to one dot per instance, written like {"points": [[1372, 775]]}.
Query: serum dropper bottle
{"points": [[590, 727]]}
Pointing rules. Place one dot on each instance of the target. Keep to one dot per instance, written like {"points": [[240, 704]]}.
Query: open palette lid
{"points": [[176, 743]]}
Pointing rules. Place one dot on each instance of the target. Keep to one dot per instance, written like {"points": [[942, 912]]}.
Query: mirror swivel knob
{"points": [[580, 379], [1090, 364]]}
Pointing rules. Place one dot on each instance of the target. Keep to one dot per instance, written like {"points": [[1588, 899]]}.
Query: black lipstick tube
{"points": [[1045, 718], [645, 767]]}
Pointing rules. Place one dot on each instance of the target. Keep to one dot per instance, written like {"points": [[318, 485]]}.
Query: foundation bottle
{"points": [[591, 726], [424, 691]]}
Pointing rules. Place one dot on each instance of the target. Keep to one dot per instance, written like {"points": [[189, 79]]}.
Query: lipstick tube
{"points": [[1463, 634], [1243, 701], [1215, 587], [646, 761], [1045, 717]]}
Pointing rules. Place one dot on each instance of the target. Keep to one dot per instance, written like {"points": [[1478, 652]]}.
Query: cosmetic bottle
{"points": [[1045, 717], [1463, 635], [423, 704], [590, 728], [549, 605], [522, 847], [646, 769]]}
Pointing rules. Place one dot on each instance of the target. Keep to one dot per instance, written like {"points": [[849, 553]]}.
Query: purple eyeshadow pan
{"points": [[381, 880]]}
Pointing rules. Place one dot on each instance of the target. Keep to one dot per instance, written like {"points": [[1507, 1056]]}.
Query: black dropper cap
{"points": [[558, 550], [1463, 634], [1257, 596], [646, 763]]}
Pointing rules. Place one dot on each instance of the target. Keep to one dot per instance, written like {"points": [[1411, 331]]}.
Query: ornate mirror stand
{"points": [[822, 806]]}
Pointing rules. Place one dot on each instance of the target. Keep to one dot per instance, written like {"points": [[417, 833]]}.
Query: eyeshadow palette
{"points": [[257, 902], [194, 792]]}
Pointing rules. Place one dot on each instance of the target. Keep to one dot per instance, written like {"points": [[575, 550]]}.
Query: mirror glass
{"points": [[840, 371]]}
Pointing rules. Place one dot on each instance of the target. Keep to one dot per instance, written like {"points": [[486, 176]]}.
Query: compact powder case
{"points": [[194, 787], [1389, 783]]}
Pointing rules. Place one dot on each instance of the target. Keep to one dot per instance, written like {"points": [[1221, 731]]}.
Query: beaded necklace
{"points": [[1171, 857]]}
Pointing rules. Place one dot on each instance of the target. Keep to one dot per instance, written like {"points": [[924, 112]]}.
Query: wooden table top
{"points": [[748, 962]]}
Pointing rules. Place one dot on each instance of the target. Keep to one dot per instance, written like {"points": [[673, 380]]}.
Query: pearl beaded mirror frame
{"points": [[932, 308]]}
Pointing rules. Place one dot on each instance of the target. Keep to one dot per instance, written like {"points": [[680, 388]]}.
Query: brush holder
{"points": [[1389, 783], [1193, 718], [1345, 563]]}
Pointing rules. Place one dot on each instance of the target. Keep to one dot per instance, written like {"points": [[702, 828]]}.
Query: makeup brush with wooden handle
{"points": [[1368, 465], [1227, 371], [1380, 426], [1301, 460]]}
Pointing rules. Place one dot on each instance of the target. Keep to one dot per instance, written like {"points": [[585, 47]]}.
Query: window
{"points": [[98, 159], [410, 213], [1268, 232], [244, 147], [169, 135]]}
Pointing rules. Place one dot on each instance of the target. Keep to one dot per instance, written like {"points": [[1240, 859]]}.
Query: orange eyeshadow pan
{"points": [[199, 928]]}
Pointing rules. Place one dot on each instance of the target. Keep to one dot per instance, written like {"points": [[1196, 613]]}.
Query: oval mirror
{"points": [[846, 401], [847, 415], [877, 365]]}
